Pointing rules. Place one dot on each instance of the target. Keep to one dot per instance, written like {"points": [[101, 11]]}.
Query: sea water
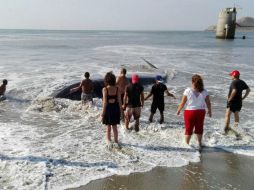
{"points": [[48, 143]]}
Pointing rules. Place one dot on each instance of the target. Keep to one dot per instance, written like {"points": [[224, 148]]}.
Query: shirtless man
{"points": [[87, 88], [122, 83], [3, 89]]}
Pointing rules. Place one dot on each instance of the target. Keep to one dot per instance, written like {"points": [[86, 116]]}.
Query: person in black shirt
{"points": [[134, 100], [235, 98], [158, 90]]}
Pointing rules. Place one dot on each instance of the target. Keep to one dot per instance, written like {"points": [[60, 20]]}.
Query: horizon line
{"points": [[117, 30]]}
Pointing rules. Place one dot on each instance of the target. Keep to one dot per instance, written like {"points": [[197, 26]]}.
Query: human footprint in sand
{"points": [[196, 100]]}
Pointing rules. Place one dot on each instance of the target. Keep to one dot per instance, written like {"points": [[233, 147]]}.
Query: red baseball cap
{"points": [[234, 73], [134, 79]]}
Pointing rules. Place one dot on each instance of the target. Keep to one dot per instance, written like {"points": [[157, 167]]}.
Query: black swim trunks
{"points": [[234, 106], [159, 105]]}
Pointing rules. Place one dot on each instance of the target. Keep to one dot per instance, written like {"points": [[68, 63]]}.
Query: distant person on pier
{"points": [[87, 87], [235, 98]]}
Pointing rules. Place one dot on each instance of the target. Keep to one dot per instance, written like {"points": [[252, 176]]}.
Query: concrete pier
{"points": [[226, 24]]}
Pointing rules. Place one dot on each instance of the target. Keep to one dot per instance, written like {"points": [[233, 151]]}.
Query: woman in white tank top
{"points": [[196, 99]]}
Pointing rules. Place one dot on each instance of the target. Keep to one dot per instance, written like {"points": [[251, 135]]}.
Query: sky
{"points": [[116, 14]]}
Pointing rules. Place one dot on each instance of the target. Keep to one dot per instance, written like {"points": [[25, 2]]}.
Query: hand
{"points": [[209, 113], [178, 113]]}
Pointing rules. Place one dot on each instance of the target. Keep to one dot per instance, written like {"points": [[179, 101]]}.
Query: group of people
{"points": [[123, 99]]}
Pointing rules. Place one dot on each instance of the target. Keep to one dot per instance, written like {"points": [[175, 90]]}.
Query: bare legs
{"points": [[237, 119], [187, 139], [115, 133], [127, 121], [135, 112], [227, 119], [199, 138], [137, 125], [108, 133]]}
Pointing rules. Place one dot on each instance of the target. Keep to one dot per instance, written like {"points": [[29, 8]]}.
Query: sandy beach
{"points": [[217, 170]]}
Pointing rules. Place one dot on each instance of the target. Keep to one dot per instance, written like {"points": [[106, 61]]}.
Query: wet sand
{"points": [[216, 170]]}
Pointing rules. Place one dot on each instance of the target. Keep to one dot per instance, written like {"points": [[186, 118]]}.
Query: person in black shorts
{"points": [[158, 90], [112, 108], [235, 98]]}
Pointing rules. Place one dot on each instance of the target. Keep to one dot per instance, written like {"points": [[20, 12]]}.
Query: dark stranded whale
{"points": [[98, 85]]}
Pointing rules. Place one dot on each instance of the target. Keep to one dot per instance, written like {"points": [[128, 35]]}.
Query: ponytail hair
{"points": [[197, 82]]}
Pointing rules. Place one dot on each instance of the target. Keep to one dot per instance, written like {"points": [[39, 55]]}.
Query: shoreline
{"points": [[217, 169]]}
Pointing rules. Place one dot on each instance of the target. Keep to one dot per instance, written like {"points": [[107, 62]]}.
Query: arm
{"points": [[181, 105], [125, 100], [232, 95], [104, 102], [120, 103], [148, 96], [246, 93], [169, 94], [117, 81], [142, 99], [76, 88], [209, 107]]}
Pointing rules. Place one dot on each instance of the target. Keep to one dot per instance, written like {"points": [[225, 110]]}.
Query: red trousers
{"points": [[194, 119]]}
